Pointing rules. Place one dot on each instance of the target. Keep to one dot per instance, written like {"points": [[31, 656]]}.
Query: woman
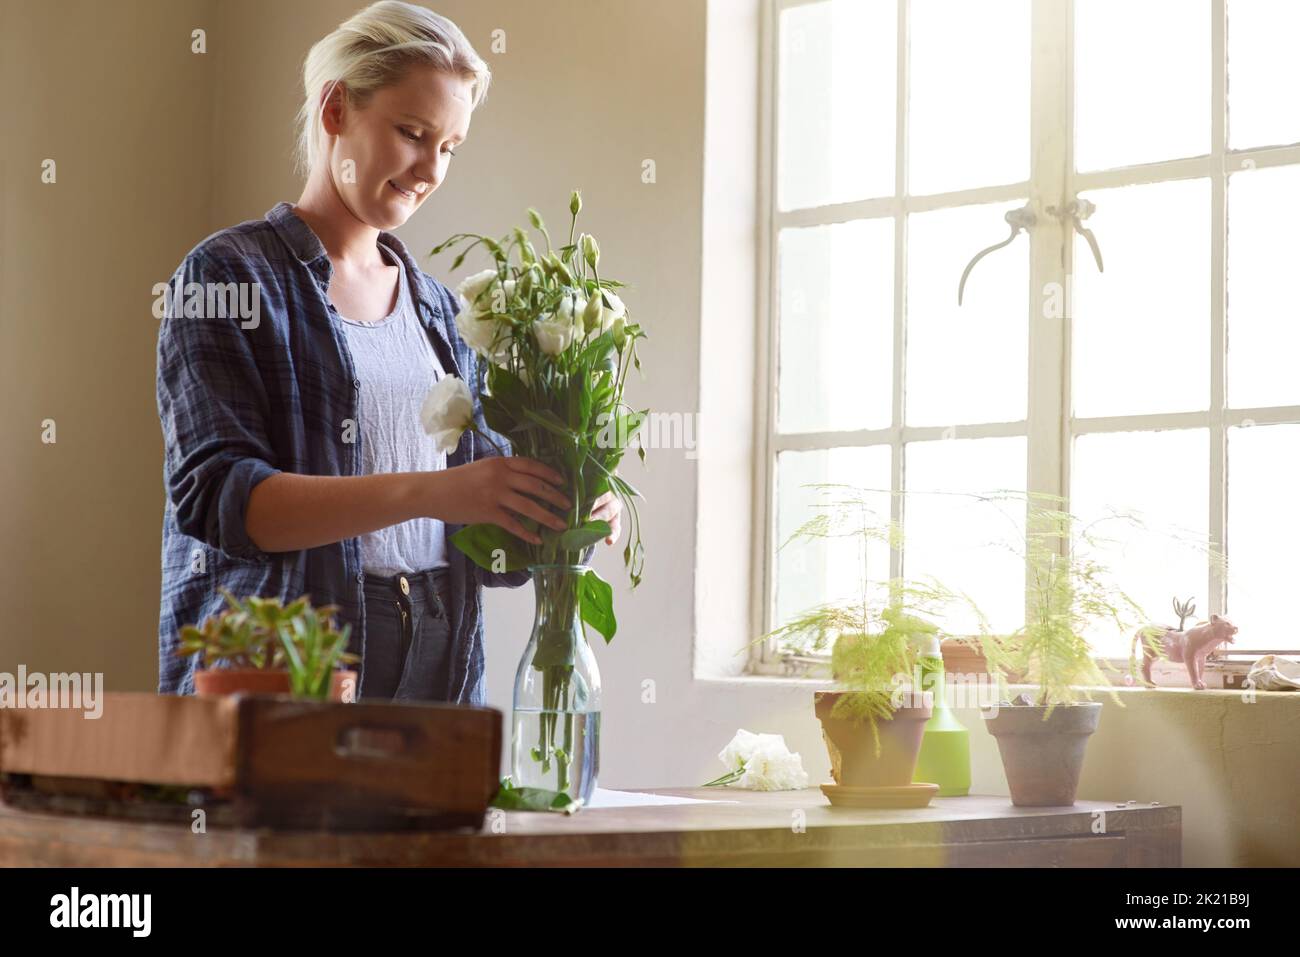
{"points": [[295, 460]]}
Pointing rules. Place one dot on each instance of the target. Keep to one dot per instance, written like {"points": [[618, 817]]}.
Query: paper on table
{"points": [[603, 797]]}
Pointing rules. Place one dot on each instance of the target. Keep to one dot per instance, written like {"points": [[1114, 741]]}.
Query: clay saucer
{"points": [[907, 795]]}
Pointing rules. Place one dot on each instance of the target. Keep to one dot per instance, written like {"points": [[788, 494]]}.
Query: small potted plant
{"points": [[867, 666], [246, 649], [312, 646], [1042, 737], [874, 723]]}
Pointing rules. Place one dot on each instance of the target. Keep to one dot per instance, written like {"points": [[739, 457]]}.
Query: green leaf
{"points": [[534, 799], [507, 388], [624, 486], [550, 422], [576, 539], [595, 486], [617, 431], [598, 604], [481, 540], [598, 348], [497, 416]]}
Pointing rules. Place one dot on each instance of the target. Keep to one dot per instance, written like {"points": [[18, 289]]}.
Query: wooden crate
{"points": [[256, 761]]}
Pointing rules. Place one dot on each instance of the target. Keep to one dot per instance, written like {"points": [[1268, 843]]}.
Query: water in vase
{"points": [[556, 750]]}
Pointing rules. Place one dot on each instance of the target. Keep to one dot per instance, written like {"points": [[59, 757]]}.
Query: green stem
{"points": [[726, 779], [477, 431], [558, 597]]}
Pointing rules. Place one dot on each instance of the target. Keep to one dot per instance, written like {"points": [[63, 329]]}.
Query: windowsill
{"points": [[1099, 692], [1221, 673], [766, 681]]}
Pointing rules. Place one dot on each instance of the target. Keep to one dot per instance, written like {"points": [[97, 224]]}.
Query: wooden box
{"points": [[256, 760]]}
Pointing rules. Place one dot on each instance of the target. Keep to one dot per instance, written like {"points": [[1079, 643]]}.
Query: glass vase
{"points": [[555, 741]]}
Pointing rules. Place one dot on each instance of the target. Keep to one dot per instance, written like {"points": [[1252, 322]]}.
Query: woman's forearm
{"points": [[288, 512]]}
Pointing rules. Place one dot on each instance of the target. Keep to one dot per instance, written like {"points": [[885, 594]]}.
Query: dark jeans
{"points": [[408, 637]]}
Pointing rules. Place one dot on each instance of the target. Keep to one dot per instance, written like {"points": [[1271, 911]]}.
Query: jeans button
{"points": [[404, 585]]}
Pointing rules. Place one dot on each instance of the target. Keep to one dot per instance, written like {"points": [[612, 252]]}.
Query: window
{"points": [[906, 136]]}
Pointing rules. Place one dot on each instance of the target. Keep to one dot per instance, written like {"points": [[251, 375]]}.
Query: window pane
{"points": [[837, 102], [836, 326], [1263, 73], [969, 94], [828, 569], [1142, 81], [1263, 528], [1163, 479], [1263, 315], [967, 544], [1141, 328], [966, 364]]}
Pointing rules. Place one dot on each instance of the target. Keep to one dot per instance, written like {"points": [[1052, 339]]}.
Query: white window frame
{"points": [[1050, 427]]}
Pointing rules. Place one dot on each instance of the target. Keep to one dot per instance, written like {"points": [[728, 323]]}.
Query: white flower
{"points": [[774, 772], [570, 309], [484, 333], [767, 763], [448, 411], [600, 317], [471, 286], [553, 335]]}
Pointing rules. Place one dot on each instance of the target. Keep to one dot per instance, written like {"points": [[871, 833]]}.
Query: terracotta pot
{"points": [[960, 658], [219, 681], [852, 748], [1043, 759]]}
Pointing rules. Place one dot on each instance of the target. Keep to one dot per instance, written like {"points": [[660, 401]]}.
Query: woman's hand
{"points": [[610, 508], [497, 489]]}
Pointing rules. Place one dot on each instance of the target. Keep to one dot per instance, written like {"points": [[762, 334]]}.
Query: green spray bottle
{"points": [[945, 749]]}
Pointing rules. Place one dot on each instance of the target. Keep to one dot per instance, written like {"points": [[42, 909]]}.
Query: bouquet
{"points": [[556, 343]]}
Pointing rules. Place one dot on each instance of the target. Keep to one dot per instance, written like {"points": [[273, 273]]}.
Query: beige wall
{"points": [[111, 92], [158, 147]]}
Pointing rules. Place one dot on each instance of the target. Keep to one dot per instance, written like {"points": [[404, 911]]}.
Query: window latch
{"points": [[1017, 219], [1078, 210]]}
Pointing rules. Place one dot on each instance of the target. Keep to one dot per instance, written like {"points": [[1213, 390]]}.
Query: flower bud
{"points": [[591, 315], [562, 270], [590, 250], [575, 202]]}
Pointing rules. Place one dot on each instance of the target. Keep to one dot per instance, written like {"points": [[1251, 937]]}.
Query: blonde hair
{"points": [[373, 49]]}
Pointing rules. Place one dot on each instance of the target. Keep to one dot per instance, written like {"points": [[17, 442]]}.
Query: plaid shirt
{"points": [[241, 400]]}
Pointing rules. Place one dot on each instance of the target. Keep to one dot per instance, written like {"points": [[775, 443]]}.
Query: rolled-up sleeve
{"points": [[213, 407]]}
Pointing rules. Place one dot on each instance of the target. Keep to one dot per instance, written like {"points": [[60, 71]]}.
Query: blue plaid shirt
{"points": [[241, 400]]}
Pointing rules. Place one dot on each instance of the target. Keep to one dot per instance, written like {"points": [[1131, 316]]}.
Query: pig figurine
{"points": [[1190, 647]]}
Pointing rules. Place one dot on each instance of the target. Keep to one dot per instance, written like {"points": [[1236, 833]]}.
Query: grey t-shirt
{"points": [[397, 366]]}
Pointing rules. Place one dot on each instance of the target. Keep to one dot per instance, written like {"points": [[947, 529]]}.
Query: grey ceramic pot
{"points": [[1043, 759]]}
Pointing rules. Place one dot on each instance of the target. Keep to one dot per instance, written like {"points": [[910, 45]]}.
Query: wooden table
{"points": [[785, 828]]}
